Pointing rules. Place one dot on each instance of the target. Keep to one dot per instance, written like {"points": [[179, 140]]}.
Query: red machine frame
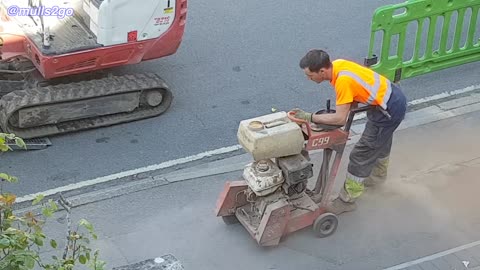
{"points": [[51, 66], [284, 217]]}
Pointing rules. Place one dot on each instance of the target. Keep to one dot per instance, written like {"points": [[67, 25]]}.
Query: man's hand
{"points": [[300, 114], [337, 118]]}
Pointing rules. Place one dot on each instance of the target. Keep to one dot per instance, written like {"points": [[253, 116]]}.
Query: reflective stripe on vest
{"points": [[373, 89]]}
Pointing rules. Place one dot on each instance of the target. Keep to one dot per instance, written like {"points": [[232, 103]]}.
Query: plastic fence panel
{"points": [[423, 36]]}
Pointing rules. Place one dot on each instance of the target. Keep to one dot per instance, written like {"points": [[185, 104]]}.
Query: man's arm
{"points": [[337, 118], [344, 100]]}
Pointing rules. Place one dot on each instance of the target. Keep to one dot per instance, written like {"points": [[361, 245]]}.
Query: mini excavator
{"points": [[53, 55]]}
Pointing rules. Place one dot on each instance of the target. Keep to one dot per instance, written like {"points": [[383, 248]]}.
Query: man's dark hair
{"points": [[315, 60]]}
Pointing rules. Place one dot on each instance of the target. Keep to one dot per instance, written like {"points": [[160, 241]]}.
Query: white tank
{"points": [[270, 136]]}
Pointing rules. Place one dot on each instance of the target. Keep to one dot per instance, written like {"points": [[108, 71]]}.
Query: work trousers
{"points": [[376, 140], [374, 144]]}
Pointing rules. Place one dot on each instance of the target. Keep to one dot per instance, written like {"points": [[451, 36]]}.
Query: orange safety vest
{"points": [[354, 82]]}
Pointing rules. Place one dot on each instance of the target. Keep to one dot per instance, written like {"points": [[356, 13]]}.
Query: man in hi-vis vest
{"points": [[353, 84]]}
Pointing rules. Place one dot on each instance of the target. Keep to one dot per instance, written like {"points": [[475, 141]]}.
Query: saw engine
{"points": [[280, 168], [290, 173], [269, 182], [280, 162]]}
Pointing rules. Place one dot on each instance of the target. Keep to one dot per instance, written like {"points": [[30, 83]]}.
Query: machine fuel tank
{"points": [[270, 136]]}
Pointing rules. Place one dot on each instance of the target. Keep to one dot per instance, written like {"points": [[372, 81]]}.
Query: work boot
{"points": [[379, 173], [338, 206], [343, 203]]}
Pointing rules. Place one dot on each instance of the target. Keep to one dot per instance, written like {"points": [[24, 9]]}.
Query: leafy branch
{"points": [[22, 237]]}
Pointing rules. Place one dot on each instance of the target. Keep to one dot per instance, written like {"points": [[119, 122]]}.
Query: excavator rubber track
{"points": [[68, 107]]}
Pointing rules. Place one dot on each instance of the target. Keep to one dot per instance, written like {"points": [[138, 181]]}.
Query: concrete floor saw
{"points": [[272, 199]]}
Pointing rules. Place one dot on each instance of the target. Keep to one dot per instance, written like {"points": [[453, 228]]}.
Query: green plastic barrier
{"points": [[423, 36]]}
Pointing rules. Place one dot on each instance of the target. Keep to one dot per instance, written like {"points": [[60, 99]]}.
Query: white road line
{"points": [[111, 177], [184, 160], [433, 256], [445, 95]]}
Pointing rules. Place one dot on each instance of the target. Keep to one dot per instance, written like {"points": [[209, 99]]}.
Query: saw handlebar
{"points": [[348, 124]]}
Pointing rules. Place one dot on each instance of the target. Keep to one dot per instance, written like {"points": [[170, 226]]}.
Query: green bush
{"points": [[22, 237]]}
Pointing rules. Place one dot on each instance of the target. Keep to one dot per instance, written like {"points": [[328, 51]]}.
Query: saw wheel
{"points": [[325, 225]]}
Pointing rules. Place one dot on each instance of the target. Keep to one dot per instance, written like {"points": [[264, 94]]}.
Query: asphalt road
{"points": [[238, 60]]}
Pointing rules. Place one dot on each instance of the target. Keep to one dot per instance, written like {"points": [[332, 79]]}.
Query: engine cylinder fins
{"points": [[70, 107]]}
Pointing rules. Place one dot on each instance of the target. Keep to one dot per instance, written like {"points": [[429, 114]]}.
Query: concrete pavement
{"points": [[425, 217]]}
